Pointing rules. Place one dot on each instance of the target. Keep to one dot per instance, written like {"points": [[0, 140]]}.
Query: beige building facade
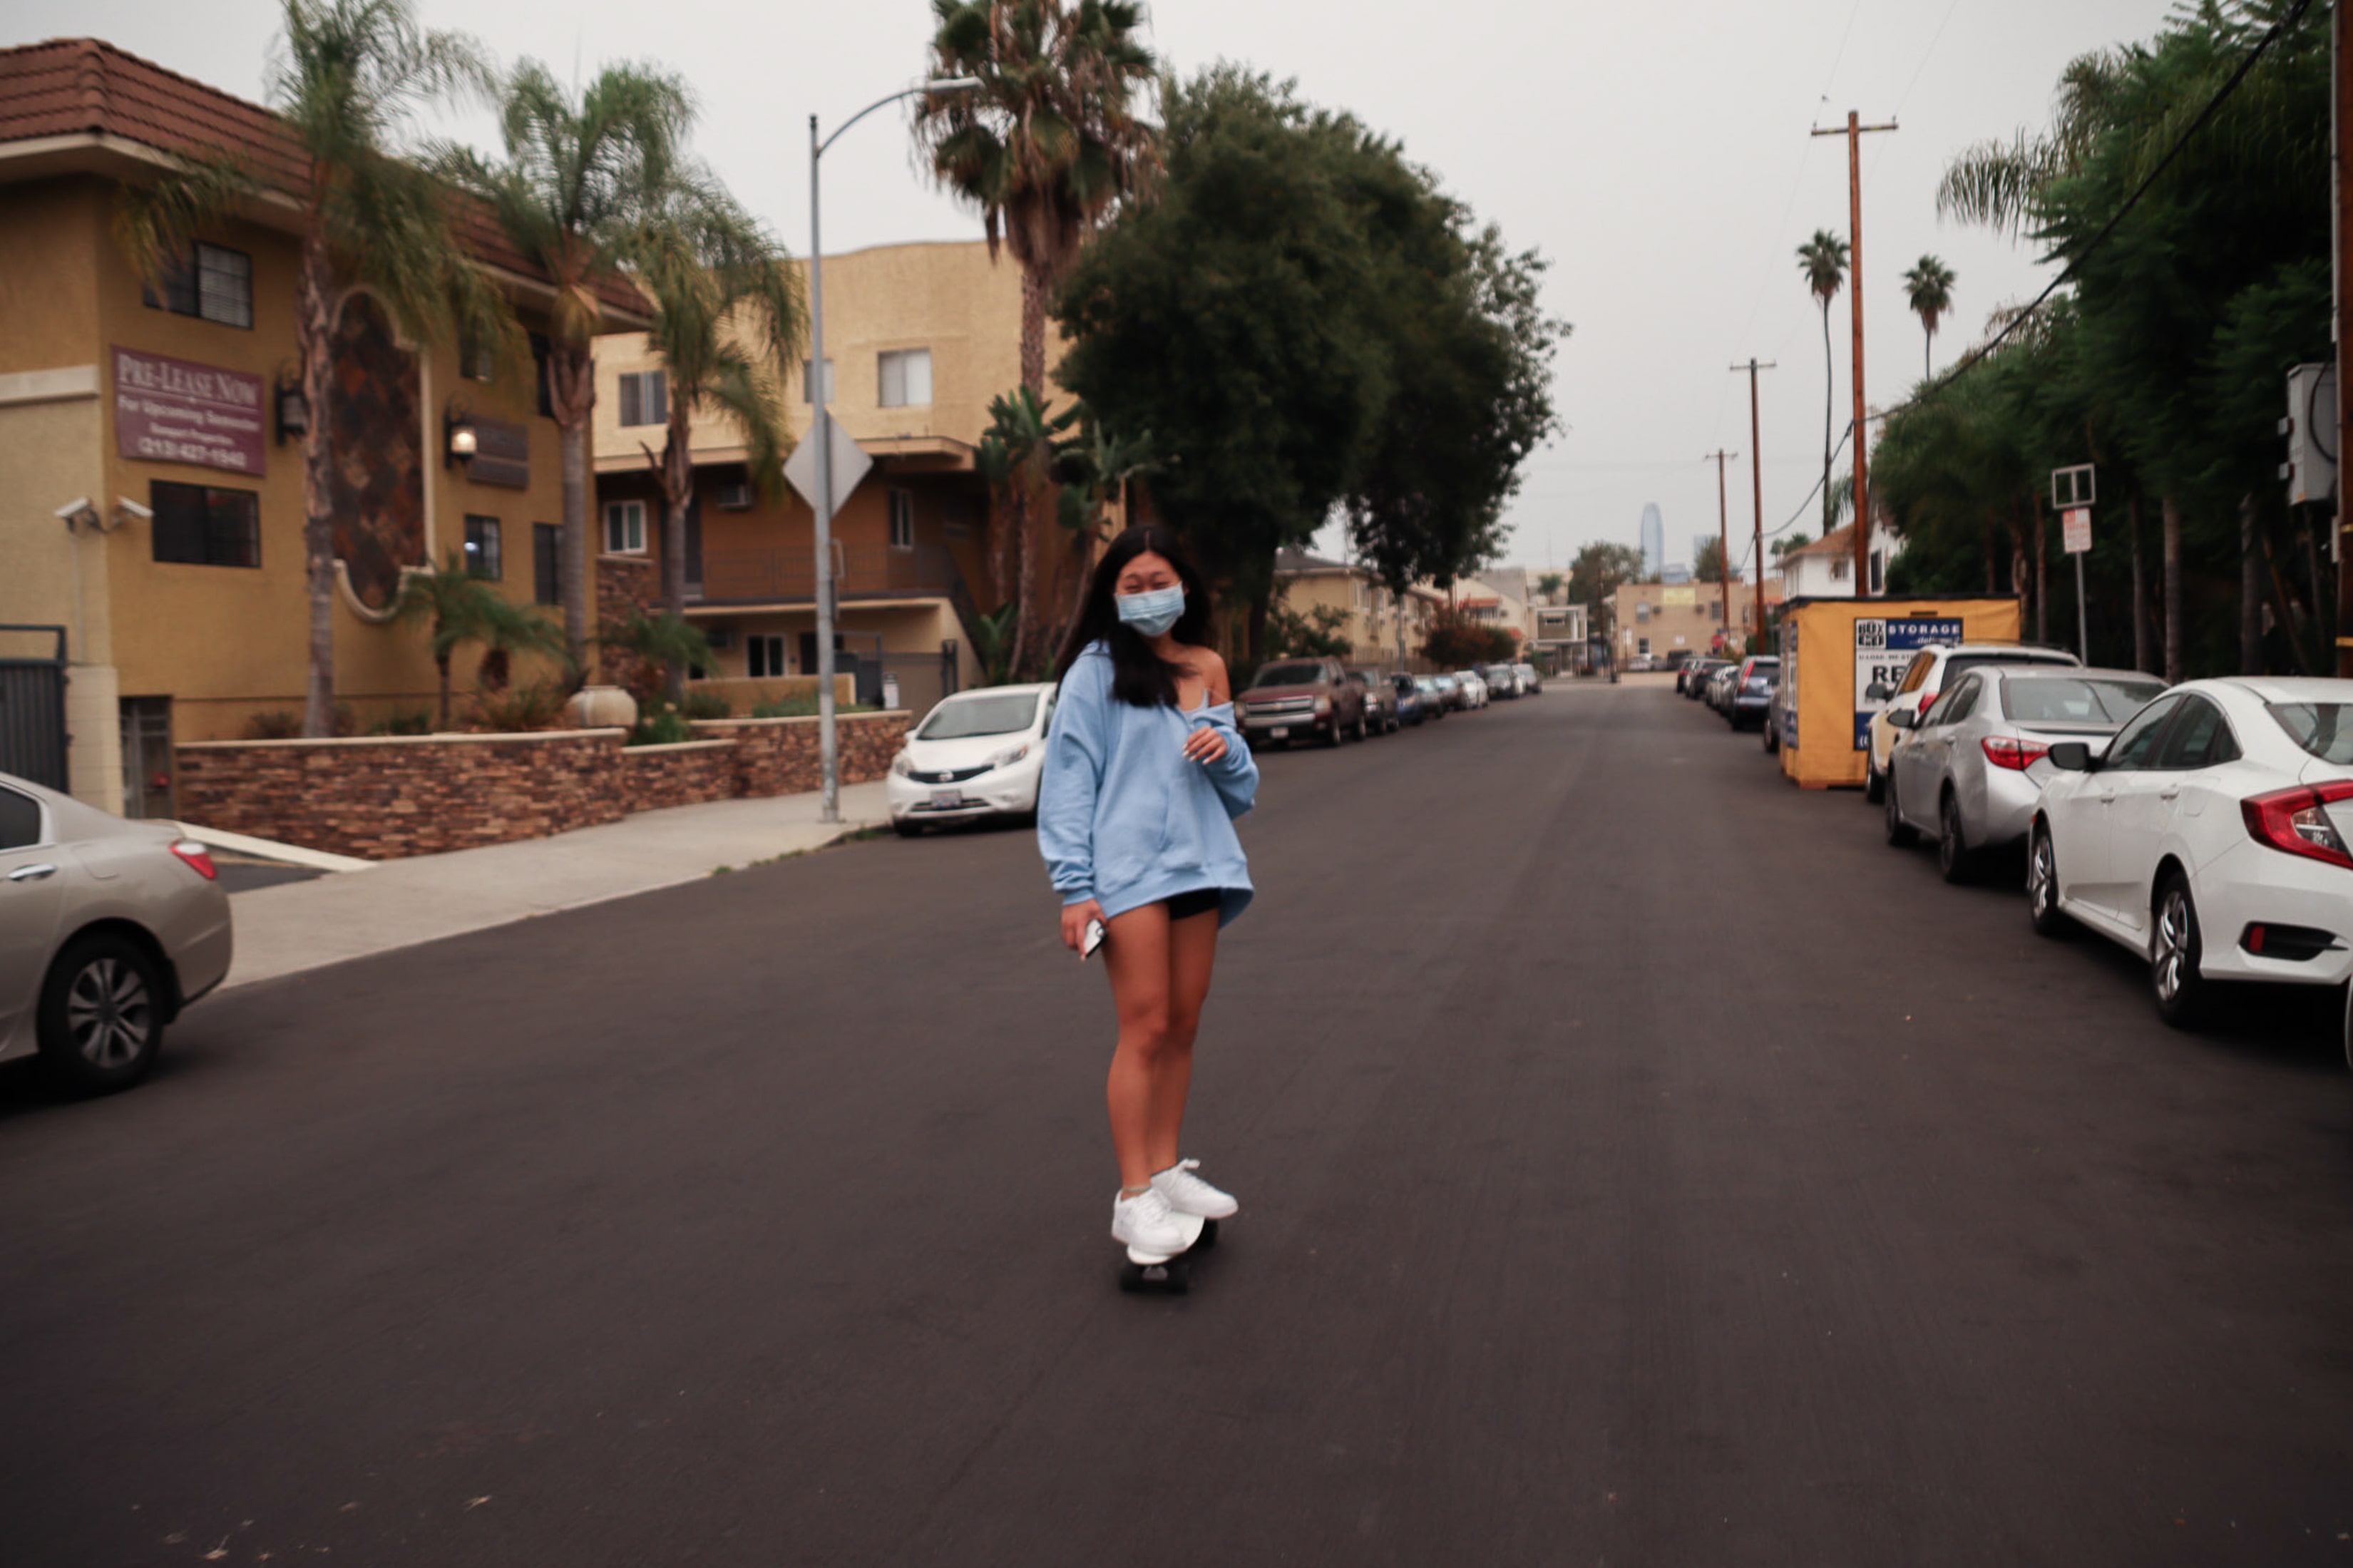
{"points": [[1376, 619], [1662, 619]]}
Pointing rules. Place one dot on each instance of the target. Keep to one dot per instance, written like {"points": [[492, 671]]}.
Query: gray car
{"points": [[108, 929], [1968, 771]]}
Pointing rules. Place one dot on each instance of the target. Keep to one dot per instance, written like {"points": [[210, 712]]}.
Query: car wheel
{"points": [[1875, 783], [2042, 885], [1335, 737], [1900, 833], [1772, 735], [1954, 857], [2173, 955], [1361, 733], [101, 1014]]}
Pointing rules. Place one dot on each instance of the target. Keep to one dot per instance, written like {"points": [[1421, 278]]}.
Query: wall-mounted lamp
{"points": [[291, 408], [458, 441]]}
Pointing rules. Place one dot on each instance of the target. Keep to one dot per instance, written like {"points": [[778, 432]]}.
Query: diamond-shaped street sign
{"points": [[850, 464]]}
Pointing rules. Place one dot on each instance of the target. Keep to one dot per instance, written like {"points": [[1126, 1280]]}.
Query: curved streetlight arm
{"points": [[946, 84]]}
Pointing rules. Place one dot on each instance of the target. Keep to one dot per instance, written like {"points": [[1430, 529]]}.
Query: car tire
{"points": [[1900, 833], [1875, 783], [1361, 733], [1954, 858], [1335, 737], [1772, 735], [101, 1013], [2042, 885], [2174, 953]]}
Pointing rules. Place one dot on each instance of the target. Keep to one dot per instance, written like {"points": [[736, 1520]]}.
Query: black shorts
{"points": [[1199, 902]]}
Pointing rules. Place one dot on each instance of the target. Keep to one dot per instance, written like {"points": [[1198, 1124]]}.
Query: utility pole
{"points": [[2340, 160], [1757, 477], [1723, 548], [1853, 134]]}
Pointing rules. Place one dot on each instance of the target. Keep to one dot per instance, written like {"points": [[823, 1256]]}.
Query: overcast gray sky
{"points": [[1658, 155]]}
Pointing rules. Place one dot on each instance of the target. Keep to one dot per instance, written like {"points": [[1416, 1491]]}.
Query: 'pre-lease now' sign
{"points": [[172, 411]]}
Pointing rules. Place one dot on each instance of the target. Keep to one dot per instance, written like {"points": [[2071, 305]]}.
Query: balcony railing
{"points": [[783, 575]]}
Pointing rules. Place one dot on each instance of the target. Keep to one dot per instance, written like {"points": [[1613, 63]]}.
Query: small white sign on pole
{"points": [[2075, 525]]}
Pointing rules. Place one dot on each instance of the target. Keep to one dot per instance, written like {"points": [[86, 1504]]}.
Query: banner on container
{"points": [[173, 411], [1882, 652]]}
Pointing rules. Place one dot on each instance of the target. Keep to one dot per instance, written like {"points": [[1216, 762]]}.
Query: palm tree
{"points": [[1928, 289], [1016, 456], [1822, 259], [1094, 470], [728, 318], [456, 606], [350, 74], [583, 175]]}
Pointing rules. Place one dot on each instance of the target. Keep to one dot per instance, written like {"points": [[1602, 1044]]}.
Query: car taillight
{"points": [[196, 857], [2010, 752], [1926, 699], [2295, 821]]}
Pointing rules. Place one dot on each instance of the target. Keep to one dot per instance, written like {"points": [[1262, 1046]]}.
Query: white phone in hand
{"points": [[1093, 940]]}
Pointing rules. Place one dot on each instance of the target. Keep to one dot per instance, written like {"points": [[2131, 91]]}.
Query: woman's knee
{"points": [[1146, 1029]]}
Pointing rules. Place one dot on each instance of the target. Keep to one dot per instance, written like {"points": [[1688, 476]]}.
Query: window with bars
{"points": [[546, 564], [212, 283], [485, 557], [905, 378], [645, 398], [902, 519], [625, 528], [199, 525]]}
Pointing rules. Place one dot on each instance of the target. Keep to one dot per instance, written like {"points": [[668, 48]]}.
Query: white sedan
{"points": [[2210, 835], [1474, 688], [976, 755]]}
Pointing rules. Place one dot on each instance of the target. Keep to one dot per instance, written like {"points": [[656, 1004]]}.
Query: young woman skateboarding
{"points": [[1144, 775]]}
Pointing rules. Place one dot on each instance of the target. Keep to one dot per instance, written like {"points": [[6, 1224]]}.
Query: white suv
{"points": [[1931, 671]]}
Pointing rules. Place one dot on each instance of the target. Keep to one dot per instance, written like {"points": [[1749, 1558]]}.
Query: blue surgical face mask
{"points": [[1153, 613]]}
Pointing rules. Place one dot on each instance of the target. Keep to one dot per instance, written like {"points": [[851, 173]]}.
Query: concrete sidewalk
{"points": [[296, 926]]}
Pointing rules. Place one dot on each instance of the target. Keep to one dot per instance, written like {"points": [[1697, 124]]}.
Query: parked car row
{"points": [[2208, 827], [1739, 689]]}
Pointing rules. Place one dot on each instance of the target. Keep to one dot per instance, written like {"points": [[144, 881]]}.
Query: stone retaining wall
{"points": [[779, 756], [688, 774]]}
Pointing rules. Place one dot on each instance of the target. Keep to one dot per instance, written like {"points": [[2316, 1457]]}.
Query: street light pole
{"points": [[1756, 479], [821, 431]]}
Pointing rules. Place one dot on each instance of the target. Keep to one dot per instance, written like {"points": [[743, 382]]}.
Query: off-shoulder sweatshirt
{"points": [[1123, 816]]}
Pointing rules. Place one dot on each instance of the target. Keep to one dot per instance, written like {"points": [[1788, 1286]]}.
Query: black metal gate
{"points": [[32, 707]]}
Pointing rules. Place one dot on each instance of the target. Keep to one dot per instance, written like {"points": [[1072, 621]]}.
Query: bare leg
{"points": [[1192, 950], [1136, 953]]}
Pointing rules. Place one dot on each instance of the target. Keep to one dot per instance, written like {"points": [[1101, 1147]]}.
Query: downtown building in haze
{"points": [[1654, 541]]}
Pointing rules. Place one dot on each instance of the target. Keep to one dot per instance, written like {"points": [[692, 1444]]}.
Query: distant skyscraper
{"points": [[1654, 541]]}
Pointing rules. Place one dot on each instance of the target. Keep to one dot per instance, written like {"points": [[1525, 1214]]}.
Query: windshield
{"points": [[2061, 700], [2324, 728], [1292, 674], [1003, 713]]}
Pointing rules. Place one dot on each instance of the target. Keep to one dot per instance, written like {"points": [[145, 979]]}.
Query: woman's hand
{"points": [[1205, 745], [1074, 921]]}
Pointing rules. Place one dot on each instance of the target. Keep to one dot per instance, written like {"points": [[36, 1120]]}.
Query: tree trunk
{"points": [[1033, 332], [678, 493], [571, 393], [2172, 547], [314, 341], [1254, 628], [1993, 555], [2021, 576], [2041, 575], [441, 668], [2290, 611], [1928, 354], [2139, 589], [1026, 618], [2250, 591]]}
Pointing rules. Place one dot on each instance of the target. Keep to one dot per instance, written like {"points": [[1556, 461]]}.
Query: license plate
{"points": [[947, 799], [1280, 733]]}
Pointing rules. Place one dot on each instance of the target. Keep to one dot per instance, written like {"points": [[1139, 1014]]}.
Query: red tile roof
{"points": [[69, 87]]}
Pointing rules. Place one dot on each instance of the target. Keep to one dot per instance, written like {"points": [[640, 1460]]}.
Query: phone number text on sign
{"points": [[1884, 651]]}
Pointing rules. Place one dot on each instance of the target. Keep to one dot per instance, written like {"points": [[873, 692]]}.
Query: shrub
{"points": [[661, 725], [702, 704], [802, 705], [539, 706], [275, 725], [397, 723]]}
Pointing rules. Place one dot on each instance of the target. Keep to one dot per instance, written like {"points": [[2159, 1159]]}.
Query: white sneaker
{"points": [[1152, 1231], [1188, 1193]]}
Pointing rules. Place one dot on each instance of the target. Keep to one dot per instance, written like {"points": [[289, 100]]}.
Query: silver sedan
{"points": [[1968, 771], [108, 929]]}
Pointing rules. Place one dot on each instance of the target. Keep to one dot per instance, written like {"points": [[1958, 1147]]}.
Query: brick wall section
{"points": [[381, 798], [779, 756], [624, 583], [689, 774]]}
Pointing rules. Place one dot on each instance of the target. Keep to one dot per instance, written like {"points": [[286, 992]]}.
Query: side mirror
{"points": [[2071, 757], [1876, 692], [1901, 718]]}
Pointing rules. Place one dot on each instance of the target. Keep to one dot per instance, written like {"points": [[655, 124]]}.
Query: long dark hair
{"points": [[1139, 676]]}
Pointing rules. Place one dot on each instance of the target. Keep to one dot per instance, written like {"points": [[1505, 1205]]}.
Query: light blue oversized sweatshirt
{"points": [[1123, 816]]}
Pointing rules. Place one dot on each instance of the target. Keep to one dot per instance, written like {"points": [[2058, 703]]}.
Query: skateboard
{"points": [[1172, 1275]]}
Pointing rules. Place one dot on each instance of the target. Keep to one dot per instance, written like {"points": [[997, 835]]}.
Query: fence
{"points": [[33, 709]]}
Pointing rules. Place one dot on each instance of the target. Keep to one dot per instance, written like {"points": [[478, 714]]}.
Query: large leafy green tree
{"points": [[1823, 261], [1600, 570], [348, 75]]}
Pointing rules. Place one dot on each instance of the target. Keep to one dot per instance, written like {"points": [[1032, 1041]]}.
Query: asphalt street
{"points": [[1641, 1164]]}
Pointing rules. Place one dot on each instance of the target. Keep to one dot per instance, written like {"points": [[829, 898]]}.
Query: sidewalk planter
{"points": [[686, 774], [779, 756], [381, 797], [1831, 649], [601, 707]]}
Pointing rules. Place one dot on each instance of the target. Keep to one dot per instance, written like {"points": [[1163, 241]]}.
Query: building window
{"points": [[645, 398], [905, 378], [1641, 644], [1837, 568], [485, 557], [902, 519], [1641, 611], [764, 656], [625, 528], [546, 564], [211, 282], [202, 526], [806, 397]]}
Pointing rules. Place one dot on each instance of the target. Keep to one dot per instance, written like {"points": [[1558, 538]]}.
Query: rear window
{"points": [[2324, 728], [1961, 663], [962, 717], [1292, 674], [2061, 699]]}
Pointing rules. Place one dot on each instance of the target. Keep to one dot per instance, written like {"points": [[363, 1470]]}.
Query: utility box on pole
{"points": [[2311, 431]]}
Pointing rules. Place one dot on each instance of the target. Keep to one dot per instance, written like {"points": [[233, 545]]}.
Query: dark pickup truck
{"points": [[1291, 699]]}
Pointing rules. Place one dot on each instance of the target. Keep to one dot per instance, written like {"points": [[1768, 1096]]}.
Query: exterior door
{"points": [[2151, 801], [2099, 877], [33, 871], [1919, 763]]}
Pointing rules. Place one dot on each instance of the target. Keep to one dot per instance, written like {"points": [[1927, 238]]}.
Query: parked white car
{"points": [[1931, 671], [976, 754], [1474, 688], [2210, 835], [108, 929]]}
